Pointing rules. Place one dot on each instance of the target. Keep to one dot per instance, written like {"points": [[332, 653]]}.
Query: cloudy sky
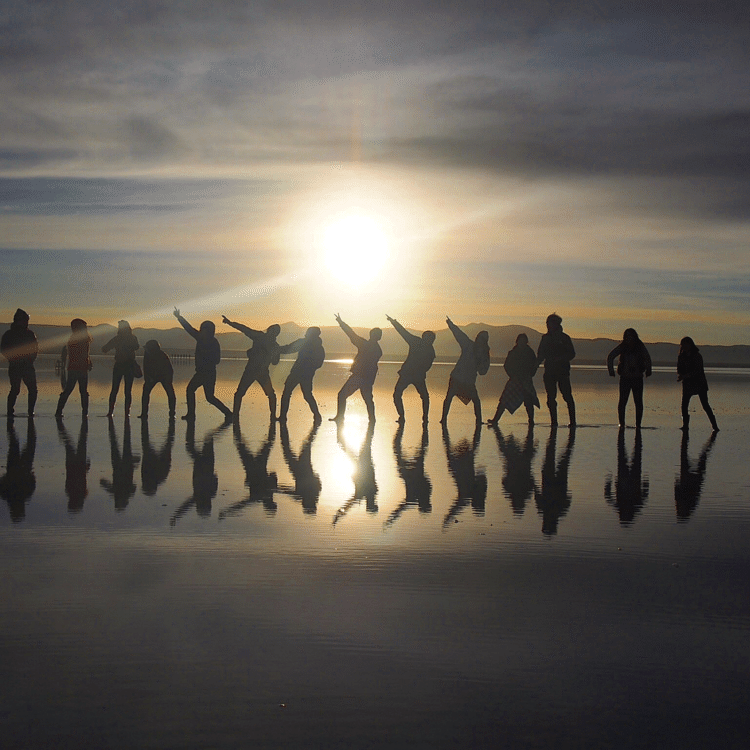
{"points": [[490, 161]]}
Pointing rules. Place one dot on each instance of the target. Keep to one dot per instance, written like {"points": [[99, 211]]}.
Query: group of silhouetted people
{"points": [[555, 351]]}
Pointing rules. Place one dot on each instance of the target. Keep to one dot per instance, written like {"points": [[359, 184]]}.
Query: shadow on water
{"points": [[553, 499], [518, 482], [307, 484], [122, 487], [205, 480], [628, 491], [18, 483], [155, 465], [688, 485], [471, 484], [261, 482], [411, 470], [77, 465], [365, 486]]}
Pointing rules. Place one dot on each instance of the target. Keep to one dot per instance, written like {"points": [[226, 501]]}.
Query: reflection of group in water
{"points": [[555, 351]]}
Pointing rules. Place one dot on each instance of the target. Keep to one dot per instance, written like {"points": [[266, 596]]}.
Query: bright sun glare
{"points": [[355, 248]]}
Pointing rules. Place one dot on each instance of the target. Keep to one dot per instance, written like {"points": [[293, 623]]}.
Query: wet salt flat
{"points": [[265, 587]]}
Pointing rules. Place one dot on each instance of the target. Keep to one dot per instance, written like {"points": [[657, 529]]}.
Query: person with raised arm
{"points": [[414, 370], [207, 357], [363, 371], [556, 350], [19, 346], [474, 360], [75, 354], [309, 360], [125, 345], [264, 352]]}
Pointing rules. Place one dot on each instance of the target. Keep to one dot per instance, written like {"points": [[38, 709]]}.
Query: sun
{"points": [[355, 248]]}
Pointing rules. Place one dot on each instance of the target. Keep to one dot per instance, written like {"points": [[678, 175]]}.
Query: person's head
{"points": [[123, 326], [274, 330], [313, 332], [482, 337], [207, 329], [77, 324], [21, 317], [554, 322], [522, 339], [630, 336], [376, 334], [428, 337], [152, 346], [687, 344]]}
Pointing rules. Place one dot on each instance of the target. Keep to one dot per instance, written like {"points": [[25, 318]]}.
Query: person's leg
{"points": [[209, 386], [306, 384], [83, 389], [529, 404], [498, 413], [148, 386], [398, 400], [267, 386], [195, 382], [424, 394], [550, 386], [638, 400], [477, 406], [70, 384], [366, 391], [29, 379], [449, 396], [625, 386], [128, 390], [685, 410], [247, 379], [567, 394], [171, 397], [117, 374], [351, 385], [703, 395], [292, 381]]}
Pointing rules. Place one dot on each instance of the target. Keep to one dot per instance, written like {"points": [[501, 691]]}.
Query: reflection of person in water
{"points": [[19, 346], [470, 483], [307, 484], [155, 465], [411, 470], [414, 370], [75, 354], [553, 499], [693, 377], [521, 366], [77, 465], [518, 482], [122, 487], [309, 360], [157, 368], [261, 482], [634, 363], [205, 480], [556, 350], [474, 360], [628, 492], [363, 371], [207, 358], [18, 483], [125, 345], [688, 486], [365, 485]]}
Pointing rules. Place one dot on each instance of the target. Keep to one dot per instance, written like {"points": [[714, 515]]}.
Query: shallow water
{"points": [[302, 588]]}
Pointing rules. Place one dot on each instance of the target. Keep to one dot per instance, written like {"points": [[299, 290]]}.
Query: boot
{"points": [[685, 423]]}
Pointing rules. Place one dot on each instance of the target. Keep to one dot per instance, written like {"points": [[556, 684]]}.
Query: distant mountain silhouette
{"points": [[502, 339]]}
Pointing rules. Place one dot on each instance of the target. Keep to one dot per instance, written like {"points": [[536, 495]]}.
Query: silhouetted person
{"points": [[157, 368], [688, 486], [19, 346], [629, 491], [309, 360], [207, 358], [125, 345], [521, 366], [75, 358], [264, 352], [414, 370], [18, 483], [365, 486], [363, 371], [470, 483], [205, 480], [411, 470], [261, 483], [556, 350], [474, 360], [307, 484], [553, 499], [77, 465], [634, 363], [122, 487], [693, 377], [518, 481], [155, 465]]}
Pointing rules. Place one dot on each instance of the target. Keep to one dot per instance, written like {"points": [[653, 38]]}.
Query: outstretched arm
{"points": [[459, 335], [251, 333], [185, 324], [355, 338], [408, 337], [294, 346]]}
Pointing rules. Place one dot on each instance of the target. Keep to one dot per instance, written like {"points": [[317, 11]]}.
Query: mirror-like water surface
{"points": [[266, 586]]}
